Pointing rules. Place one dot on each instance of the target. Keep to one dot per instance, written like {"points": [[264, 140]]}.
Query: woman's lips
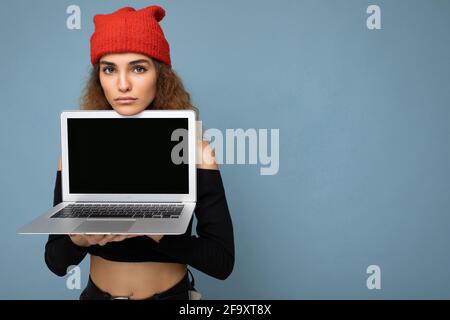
{"points": [[126, 101]]}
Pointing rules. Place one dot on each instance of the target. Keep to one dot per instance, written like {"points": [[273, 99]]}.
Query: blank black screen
{"points": [[125, 156]]}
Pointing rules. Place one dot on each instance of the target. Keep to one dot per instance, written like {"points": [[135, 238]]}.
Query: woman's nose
{"points": [[124, 82]]}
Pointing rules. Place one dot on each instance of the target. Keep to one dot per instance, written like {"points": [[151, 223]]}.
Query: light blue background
{"points": [[364, 121]]}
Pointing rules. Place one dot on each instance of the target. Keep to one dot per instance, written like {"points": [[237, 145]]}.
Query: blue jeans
{"points": [[179, 291]]}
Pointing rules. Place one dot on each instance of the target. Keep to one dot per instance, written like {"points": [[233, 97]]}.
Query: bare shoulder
{"points": [[206, 158], [59, 164]]}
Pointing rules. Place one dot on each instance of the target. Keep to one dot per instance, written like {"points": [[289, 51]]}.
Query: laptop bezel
{"points": [[94, 114]]}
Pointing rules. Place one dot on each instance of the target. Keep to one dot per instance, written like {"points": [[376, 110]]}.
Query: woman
{"points": [[132, 72]]}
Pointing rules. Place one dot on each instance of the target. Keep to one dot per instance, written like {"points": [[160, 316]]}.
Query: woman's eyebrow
{"points": [[130, 63], [139, 61], [107, 62]]}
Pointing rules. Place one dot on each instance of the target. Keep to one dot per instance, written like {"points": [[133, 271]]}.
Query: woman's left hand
{"points": [[156, 237]]}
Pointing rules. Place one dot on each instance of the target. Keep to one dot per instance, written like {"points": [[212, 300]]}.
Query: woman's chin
{"points": [[127, 110]]}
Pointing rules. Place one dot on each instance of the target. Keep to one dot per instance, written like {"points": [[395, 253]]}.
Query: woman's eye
{"points": [[141, 69], [105, 70], [109, 70]]}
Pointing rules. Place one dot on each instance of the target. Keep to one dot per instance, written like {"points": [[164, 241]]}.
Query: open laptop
{"points": [[124, 174]]}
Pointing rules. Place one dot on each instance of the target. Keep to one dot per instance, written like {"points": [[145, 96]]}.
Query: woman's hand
{"points": [[156, 237], [84, 240]]}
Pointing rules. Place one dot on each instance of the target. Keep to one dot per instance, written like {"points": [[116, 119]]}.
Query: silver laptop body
{"points": [[124, 174]]}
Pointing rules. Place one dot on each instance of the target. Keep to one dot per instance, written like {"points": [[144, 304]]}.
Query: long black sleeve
{"points": [[213, 251], [60, 251]]}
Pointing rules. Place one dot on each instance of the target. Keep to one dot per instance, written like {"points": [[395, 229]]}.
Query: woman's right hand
{"points": [[84, 240]]}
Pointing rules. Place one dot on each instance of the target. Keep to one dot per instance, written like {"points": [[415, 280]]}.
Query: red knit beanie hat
{"points": [[130, 30]]}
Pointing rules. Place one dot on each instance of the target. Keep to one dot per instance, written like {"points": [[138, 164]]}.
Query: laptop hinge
{"points": [[100, 201]]}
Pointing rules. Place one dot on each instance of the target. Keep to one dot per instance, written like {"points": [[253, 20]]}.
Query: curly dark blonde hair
{"points": [[170, 91]]}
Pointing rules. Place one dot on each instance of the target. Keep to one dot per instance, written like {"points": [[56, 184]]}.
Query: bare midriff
{"points": [[136, 280]]}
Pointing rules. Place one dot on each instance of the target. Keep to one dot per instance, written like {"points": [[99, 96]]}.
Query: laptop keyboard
{"points": [[134, 211]]}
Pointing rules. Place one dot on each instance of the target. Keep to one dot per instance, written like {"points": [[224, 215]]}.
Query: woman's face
{"points": [[128, 81]]}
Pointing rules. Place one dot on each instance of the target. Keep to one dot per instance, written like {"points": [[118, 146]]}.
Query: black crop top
{"points": [[212, 252]]}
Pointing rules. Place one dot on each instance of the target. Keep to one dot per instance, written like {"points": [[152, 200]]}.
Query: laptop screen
{"points": [[109, 155]]}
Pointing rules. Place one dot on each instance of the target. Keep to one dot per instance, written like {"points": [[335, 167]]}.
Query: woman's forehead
{"points": [[124, 57]]}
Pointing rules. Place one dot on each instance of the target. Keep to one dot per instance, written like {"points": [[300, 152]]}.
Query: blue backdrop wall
{"points": [[363, 118]]}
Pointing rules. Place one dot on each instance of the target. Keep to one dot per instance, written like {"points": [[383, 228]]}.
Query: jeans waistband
{"points": [[179, 291]]}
